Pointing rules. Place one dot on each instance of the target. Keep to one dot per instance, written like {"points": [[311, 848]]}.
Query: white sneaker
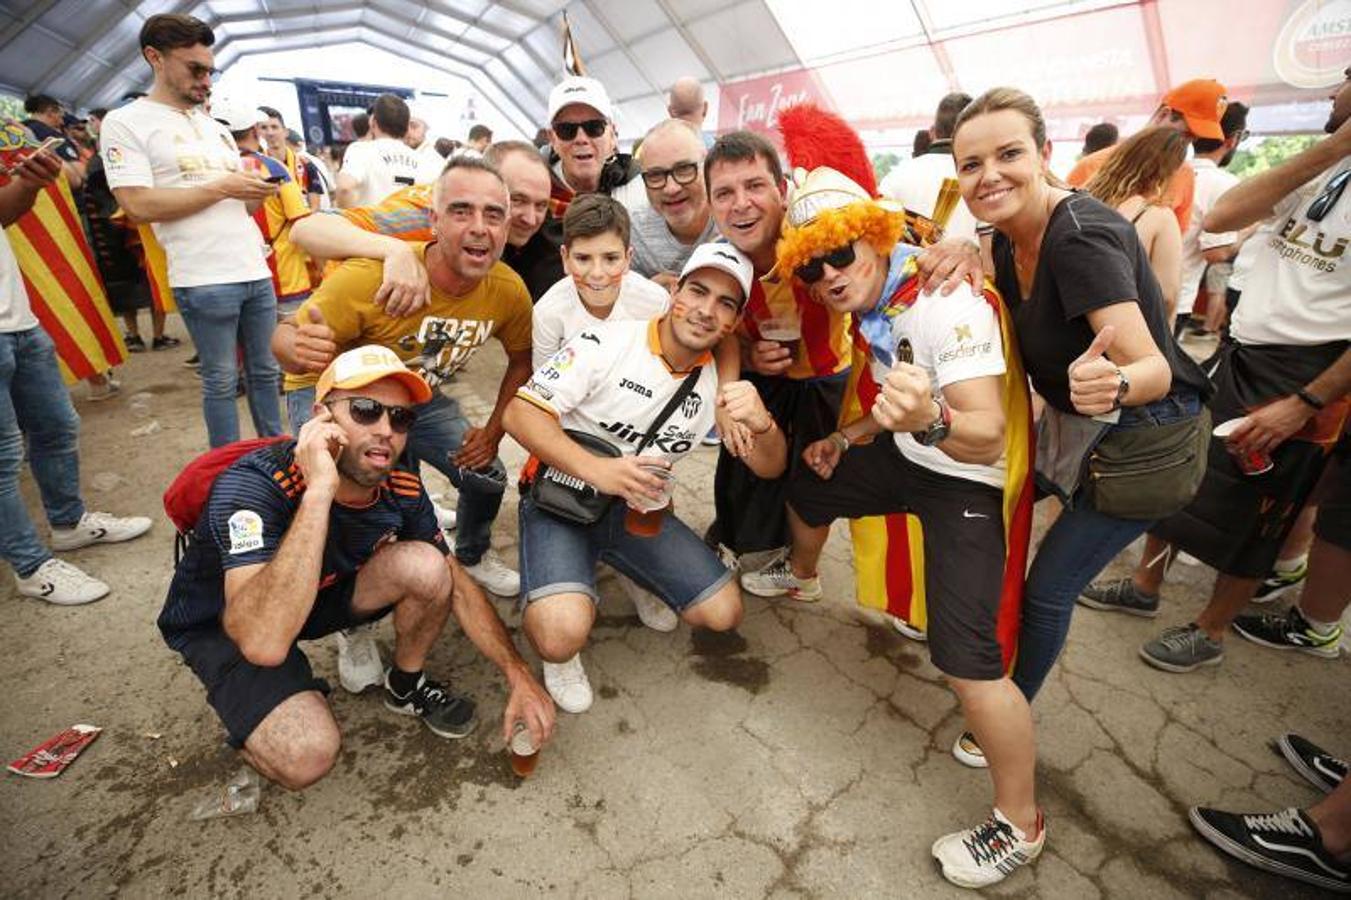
{"points": [[61, 583], [966, 750], [445, 516], [99, 528], [359, 665], [110, 388], [651, 610], [988, 853], [905, 628], [494, 575], [568, 685], [777, 580]]}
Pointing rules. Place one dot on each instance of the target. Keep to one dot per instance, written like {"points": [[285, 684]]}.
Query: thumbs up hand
{"points": [[1094, 379], [314, 344]]}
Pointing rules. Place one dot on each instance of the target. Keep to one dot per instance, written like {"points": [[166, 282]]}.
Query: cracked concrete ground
{"points": [[804, 756]]}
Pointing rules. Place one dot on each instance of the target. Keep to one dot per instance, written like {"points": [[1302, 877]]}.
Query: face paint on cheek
{"points": [[679, 309]]}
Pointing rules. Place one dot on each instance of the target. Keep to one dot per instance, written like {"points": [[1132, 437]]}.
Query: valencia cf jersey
{"points": [[249, 511]]}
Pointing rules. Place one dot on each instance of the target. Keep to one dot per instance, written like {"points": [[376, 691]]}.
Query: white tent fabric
{"points": [[882, 65]]}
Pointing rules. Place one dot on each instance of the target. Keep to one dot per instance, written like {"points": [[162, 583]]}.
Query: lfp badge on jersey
{"points": [[246, 532]]}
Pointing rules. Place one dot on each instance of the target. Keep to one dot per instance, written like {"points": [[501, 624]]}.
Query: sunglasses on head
{"points": [[1323, 203], [566, 131], [682, 172], [365, 411], [814, 269]]}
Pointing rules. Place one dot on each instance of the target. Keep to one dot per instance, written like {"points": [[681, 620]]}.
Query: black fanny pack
{"points": [[578, 501], [1148, 472]]}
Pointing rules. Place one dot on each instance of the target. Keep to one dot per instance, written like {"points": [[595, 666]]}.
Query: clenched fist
{"points": [[314, 344], [906, 402]]}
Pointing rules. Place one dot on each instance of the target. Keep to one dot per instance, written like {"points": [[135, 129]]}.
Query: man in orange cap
{"points": [[306, 537], [1194, 107]]}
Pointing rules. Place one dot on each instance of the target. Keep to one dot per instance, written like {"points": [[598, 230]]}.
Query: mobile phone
{"points": [[49, 144], [275, 179]]}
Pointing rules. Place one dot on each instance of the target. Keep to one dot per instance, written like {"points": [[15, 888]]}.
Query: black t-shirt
{"points": [[538, 262], [1091, 257], [251, 506]]}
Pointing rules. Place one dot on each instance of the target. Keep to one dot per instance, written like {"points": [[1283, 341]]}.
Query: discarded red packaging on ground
{"points": [[50, 758]]}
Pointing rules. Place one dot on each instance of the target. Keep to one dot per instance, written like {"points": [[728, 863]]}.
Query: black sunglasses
{"points": [[682, 172], [1323, 203], [566, 131], [366, 411], [814, 269]]}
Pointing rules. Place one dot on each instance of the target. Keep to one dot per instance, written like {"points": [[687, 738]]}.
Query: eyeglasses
{"points": [[1323, 203], [683, 173], [366, 411], [813, 270], [566, 131]]}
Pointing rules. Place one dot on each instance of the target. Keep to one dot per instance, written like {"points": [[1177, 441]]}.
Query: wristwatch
{"points": [[1310, 399], [938, 429], [839, 440], [1122, 389]]}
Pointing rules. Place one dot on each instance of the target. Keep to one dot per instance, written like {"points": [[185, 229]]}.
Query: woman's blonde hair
{"points": [[1140, 166], [1006, 98]]}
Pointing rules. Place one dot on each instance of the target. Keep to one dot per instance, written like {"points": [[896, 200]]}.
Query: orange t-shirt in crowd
{"points": [[1177, 196]]}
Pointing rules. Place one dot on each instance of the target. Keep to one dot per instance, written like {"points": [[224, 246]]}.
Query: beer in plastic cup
{"points": [[786, 331], [522, 750], [1251, 462], [644, 518]]}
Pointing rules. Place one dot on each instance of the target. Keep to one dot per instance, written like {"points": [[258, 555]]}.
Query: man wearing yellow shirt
{"points": [[473, 297]]}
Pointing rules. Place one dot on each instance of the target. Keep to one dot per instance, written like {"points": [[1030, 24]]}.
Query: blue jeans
{"points": [[221, 317], [34, 403], [1075, 549], [436, 438]]}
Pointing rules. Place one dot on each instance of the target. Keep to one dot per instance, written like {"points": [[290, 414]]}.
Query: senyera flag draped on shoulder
{"points": [[58, 270]]}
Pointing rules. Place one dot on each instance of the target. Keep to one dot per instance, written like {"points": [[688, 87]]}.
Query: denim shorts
{"points": [[559, 557]]}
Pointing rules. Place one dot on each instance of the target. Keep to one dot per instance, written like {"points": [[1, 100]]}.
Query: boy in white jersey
{"points": [[599, 285], [612, 382]]}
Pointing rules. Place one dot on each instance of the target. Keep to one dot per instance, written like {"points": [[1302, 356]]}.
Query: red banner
{"points": [[754, 104]]}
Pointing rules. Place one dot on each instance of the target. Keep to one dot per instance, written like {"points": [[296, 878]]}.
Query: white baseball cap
{"points": [[726, 258], [578, 89], [237, 116]]}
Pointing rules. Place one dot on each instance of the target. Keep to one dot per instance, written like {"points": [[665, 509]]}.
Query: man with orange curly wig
{"points": [[933, 445]]}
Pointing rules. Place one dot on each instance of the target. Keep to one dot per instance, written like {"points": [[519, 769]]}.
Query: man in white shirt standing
{"points": [[35, 409], [1201, 248], [172, 165], [374, 169], [914, 182]]}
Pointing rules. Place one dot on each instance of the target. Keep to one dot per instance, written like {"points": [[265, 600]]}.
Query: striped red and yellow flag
{"points": [[156, 266], [59, 274], [889, 550]]}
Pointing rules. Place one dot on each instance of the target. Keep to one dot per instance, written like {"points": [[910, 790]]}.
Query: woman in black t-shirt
{"points": [[1089, 317]]}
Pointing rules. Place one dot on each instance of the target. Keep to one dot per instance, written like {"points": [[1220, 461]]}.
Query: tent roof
{"points": [[881, 64]]}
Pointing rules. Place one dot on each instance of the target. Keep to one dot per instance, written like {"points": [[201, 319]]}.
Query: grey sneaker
{"points": [[1120, 596], [1182, 648]]}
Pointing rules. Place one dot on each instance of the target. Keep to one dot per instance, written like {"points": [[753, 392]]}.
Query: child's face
{"points": [[597, 265]]}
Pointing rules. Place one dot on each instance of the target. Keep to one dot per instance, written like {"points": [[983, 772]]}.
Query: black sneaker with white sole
{"points": [[1287, 843], [1289, 630], [1319, 767], [447, 715]]}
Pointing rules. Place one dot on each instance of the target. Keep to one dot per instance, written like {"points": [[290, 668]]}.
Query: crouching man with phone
{"points": [[303, 538]]}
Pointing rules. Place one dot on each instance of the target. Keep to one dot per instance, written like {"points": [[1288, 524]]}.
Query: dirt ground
{"points": [[804, 756]]}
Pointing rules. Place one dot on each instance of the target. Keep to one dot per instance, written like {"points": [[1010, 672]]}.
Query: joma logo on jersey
{"points": [[672, 440], [635, 387]]}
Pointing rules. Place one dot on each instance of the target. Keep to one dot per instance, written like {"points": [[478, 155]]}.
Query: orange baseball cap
{"points": [[1201, 102], [367, 365]]}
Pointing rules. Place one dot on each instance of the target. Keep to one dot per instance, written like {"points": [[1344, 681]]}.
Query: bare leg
{"points": [[157, 321], [1153, 564], [133, 327], [1216, 311], [558, 626], [808, 542], [999, 717], [296, 744], [1300, 538], [720, 612], [1333, 817], [1328, 588], [414, 578], [1227, 600]]}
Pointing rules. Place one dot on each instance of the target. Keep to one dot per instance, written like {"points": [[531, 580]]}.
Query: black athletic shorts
{"points": [[241, 693], [1333, 523], [963, 526]]}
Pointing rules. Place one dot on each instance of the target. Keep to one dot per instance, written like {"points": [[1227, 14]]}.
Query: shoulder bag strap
{"points": [[686, 387]]}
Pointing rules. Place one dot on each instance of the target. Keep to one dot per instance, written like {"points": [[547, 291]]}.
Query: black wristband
{"points": [[1310, 399]]}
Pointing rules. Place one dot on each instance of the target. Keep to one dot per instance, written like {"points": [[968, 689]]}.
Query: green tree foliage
{"points": [[883, 163], [1267, 152]]}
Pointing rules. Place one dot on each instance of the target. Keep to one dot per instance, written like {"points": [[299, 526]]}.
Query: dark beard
{"points": [[350, 467]]}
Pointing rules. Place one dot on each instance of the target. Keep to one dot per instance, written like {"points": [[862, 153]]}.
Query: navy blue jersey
{"points": [[251, 506]]}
